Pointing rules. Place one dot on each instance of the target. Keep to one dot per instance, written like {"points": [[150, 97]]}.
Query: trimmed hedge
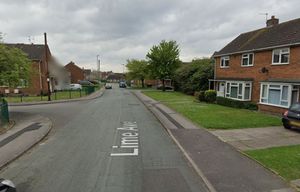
{"points": [[236, 104]]}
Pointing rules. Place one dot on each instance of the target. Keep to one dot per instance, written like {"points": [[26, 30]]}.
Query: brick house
{"points": [[77, 73], [38, 78], [262, 66]]}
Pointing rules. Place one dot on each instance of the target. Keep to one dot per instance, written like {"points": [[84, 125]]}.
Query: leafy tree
{"points": [[14, 66], [194, 76], [137, 69], [164, 60]]}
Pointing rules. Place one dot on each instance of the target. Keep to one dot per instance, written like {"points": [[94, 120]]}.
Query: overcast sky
{"points": [[78, 30]]}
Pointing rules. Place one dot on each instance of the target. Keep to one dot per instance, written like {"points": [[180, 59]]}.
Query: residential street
{"points": [[112, 143]]}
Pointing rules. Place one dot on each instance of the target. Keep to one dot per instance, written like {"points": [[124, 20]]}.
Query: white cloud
{"points": [[121, 29]]}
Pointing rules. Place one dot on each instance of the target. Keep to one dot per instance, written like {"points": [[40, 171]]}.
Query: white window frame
{"points": [[224, 58], [247, 56], [281, 85], [236, 84], [281, 52]]}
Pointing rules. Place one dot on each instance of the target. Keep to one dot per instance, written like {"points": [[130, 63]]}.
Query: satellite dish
{"points": [[264, 70]]}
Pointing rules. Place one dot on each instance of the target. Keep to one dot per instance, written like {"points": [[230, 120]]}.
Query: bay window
{"points": [[238, 90], [275, 94]]}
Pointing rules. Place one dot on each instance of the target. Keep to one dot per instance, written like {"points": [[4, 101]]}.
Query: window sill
{"points": [[273, 105], [247, 65], [224, 67], [238, 99], [280, 64]]}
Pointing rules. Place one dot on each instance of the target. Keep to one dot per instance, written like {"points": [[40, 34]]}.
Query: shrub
{"points": [[236, 104], [210, 96], [200, 95]]}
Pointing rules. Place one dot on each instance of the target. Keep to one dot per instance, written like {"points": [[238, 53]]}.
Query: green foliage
{"points": [[236, 104], [210, 96], [163, 60], [200, 96], [194, 76], [137, 69], [213, 116], [14, 66]]}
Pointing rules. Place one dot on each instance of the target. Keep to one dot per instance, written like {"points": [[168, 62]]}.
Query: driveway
{"points": [[259, 138]]}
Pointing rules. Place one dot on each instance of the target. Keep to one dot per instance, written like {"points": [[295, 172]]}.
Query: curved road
{"points": [[110, 144]]}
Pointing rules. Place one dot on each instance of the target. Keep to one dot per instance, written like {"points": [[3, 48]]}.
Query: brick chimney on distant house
{"points": [[272, 22]]}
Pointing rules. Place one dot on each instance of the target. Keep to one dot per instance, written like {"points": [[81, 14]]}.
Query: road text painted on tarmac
{"points": [[129, 144]]}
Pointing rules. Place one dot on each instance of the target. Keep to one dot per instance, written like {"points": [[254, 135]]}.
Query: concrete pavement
{"points": [[220, 165], [259, 138], [28, 130]]}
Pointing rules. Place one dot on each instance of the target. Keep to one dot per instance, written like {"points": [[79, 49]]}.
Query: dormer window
{"points": [[224, 62], [281, 56], [247, 59]]}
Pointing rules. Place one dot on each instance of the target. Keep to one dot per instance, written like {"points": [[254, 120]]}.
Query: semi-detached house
{"points": [[262, 66]]}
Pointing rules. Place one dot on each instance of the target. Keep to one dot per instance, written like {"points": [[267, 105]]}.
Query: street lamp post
{"points": [[47, 66]]}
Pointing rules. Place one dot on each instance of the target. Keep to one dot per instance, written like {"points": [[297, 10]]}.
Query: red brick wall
{"points": [[76, 72], [261, 59]]}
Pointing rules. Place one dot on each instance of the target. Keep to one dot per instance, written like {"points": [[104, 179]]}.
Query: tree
{"points": [[164, 60], [14, 66], [137, 69], [194, 76]]}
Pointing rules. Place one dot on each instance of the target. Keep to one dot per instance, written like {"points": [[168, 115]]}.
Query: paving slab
{"points": [[259, 138], [28, 130]]}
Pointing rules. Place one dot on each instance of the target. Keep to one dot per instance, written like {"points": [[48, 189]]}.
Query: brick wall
{"points": [[261, 59], [77, 73]]}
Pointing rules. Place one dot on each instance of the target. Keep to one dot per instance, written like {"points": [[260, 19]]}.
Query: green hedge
{"points": [[236, 104], [210, 96]]}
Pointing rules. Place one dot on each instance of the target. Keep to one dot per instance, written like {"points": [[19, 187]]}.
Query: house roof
{"points": [[284, 34], [34, 51], [71, 65]]}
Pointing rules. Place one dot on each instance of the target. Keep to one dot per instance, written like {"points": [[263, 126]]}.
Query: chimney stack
{"points": [[272, 22]]}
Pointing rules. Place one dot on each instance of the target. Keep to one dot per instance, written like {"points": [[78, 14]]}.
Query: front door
{"points": [[221, 90], [295, 94]]}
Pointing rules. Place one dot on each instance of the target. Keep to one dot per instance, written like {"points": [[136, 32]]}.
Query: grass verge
{"points": [[283, 160], [213, 116]]}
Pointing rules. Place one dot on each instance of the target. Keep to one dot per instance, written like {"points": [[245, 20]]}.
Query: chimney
{"points": [[272, 22]]}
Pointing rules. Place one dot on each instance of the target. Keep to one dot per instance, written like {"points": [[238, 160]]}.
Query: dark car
{"points": [[291, 118], [122, 84], [84, 82]]}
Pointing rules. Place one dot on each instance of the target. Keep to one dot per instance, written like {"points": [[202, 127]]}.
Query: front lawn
{"points": [[283, 160], [213, 116]]}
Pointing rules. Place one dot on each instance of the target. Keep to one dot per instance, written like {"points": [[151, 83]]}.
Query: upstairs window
{"points": [[224, 62], [281, 56], [247, 59]]}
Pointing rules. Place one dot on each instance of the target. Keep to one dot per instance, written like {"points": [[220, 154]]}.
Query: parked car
{"points": [[75, 86], [291, 117], [7, 186], [108, 86], [122, 84], [167, 87], [84, 82]]}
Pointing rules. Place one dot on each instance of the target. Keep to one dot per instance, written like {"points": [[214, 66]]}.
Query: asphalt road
{"points": [[109, 144]]}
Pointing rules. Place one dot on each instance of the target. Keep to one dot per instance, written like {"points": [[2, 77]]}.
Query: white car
{"points": [[75, 86]]}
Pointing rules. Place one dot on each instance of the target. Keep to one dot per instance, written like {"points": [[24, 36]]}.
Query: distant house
{"points": [[115, 77], [262, 66], [59, 78], [88, 74], [76, 73]]}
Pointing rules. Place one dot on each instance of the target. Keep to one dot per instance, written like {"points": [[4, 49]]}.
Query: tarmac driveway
{"points": [[259, 138]]}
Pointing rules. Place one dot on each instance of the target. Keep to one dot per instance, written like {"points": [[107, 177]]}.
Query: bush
{"points": [[236, 104], [200, 96], [210, 96]]}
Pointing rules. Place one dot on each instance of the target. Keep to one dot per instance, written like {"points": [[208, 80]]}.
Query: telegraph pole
{"points": [[47, 66], [98, 68]]}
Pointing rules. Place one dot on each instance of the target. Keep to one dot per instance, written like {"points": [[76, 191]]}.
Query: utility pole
{"points": [[98, 68], [47, 66]]}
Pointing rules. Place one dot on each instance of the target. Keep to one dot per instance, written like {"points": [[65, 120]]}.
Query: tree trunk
{"points": [[163, 85], [143, 83]]}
